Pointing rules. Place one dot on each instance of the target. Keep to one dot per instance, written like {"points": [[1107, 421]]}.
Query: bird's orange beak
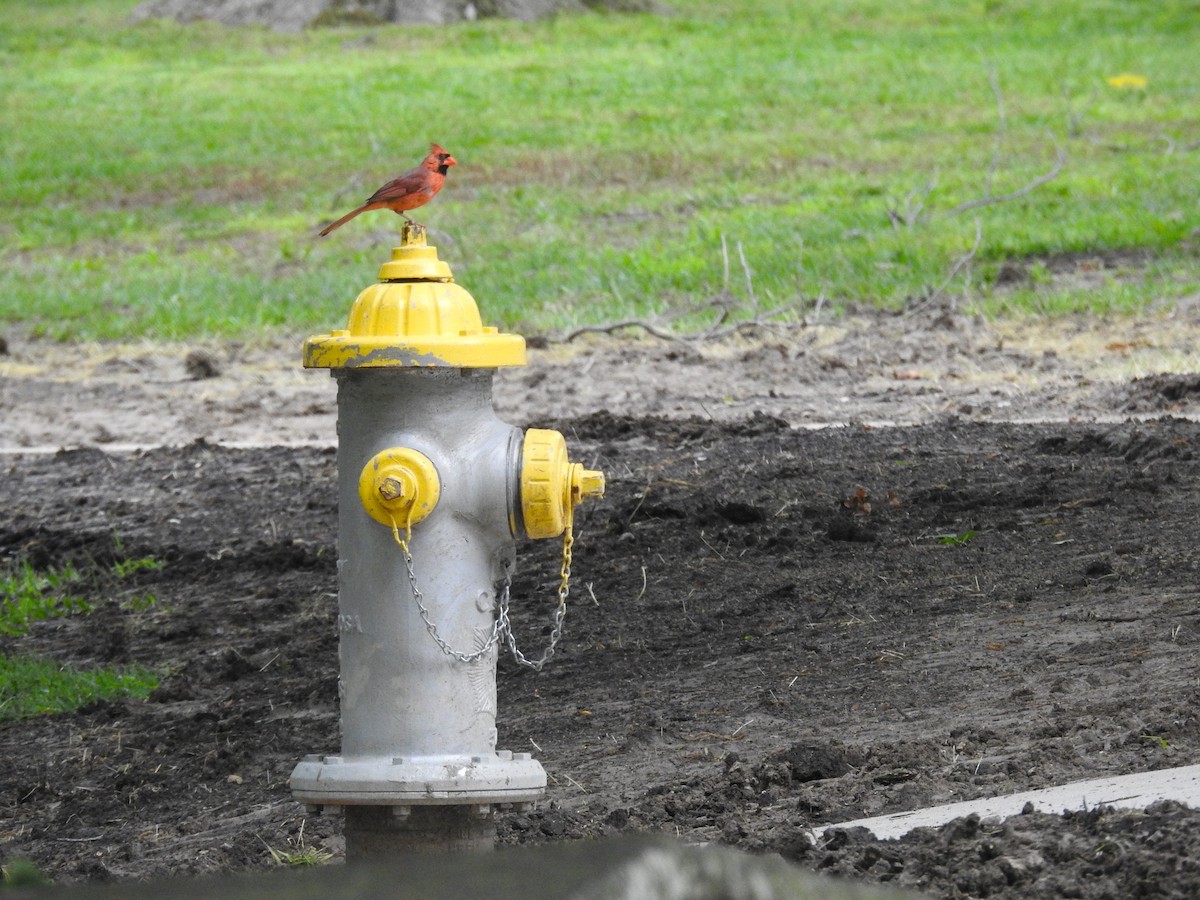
{"points": [[450, 161]]}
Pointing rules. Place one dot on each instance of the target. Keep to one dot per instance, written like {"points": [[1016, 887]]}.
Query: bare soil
{"points": [[983, 580], [871, 367]]}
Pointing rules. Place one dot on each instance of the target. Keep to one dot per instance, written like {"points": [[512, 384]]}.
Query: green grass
{"points": [[27, 595], [166, 181], [32, 686], [304, 857], [21, 873]]}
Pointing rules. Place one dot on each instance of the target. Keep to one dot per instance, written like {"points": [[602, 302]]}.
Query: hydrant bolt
{"points": [[391, 488]]}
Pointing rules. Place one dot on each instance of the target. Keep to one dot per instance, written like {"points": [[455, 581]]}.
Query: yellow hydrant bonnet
{"points": [[415, 316]]}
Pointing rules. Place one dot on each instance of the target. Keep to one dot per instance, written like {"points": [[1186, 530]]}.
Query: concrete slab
{"points": [[1124, 791]]}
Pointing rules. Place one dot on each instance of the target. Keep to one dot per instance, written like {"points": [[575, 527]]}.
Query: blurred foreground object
{"points": [[295, 15]]}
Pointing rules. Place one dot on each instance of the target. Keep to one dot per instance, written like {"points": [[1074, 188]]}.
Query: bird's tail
{"points": [[342, 221]]}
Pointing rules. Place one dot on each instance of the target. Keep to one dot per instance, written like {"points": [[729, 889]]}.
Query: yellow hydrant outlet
{"points": [[551, 485], [399, 487]]}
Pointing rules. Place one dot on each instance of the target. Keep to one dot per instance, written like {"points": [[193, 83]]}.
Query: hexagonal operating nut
{"points": [[392, 487], [585, 483]]}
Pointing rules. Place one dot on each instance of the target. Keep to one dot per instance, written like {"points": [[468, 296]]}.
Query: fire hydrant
{"points": [[432, 490]]}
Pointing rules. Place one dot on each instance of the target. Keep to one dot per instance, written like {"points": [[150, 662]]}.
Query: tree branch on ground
{"points": [[989, 198], [914, 201], [958, 265], [914, 205], [1174, 146], [724, 309]]}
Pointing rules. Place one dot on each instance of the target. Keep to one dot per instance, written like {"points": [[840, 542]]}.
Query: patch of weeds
{"points": [[139, 603], [123, 568], [1156, 739], [21, 873], [957, 539], [30, 686], [305, 856], [301, 854], [1039, 274], [31, 596]]}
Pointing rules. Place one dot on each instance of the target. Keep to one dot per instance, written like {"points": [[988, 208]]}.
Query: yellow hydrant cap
{"points": [[415, 316], [551, 485], [399, 486]]}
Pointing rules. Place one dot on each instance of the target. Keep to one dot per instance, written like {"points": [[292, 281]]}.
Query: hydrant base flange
{"points": [[432, 780]]}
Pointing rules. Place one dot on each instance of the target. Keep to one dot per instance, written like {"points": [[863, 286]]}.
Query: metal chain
{"points": [[502, 626], [560, 612], [493, 638]]}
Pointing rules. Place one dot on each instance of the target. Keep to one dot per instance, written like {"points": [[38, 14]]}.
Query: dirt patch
{"points": [[771, 627], [870, 367]]}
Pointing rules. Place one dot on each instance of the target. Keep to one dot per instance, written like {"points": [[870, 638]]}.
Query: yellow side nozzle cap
{"points": [[551, 485], [399, 486]]}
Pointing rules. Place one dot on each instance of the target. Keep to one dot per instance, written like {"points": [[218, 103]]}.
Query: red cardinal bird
{"points": [[414, 188]]}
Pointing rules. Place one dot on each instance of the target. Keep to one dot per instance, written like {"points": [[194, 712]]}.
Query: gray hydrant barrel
{"points": [[432, 488]]}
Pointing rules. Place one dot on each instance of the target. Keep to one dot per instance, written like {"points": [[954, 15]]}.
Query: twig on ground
{"points": [[609, 327], [740, 727], [749, 276], [723, 307], [914, 200], [1174, 146], [1001, 125], [989, 198], [1073, 117], [914, 205], [955, 268]]}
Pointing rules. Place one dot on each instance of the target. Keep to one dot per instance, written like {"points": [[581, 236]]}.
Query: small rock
{"points": [[618, 818], [553, 824], [200, 364]]}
